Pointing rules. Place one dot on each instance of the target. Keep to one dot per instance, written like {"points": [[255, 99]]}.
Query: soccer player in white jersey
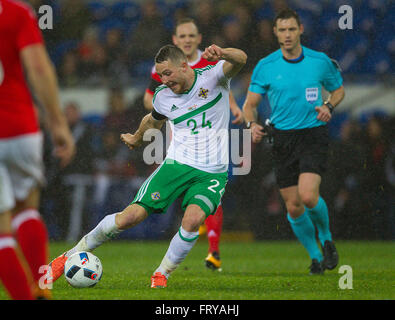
{"points": [[186, 36], [196, 103]]}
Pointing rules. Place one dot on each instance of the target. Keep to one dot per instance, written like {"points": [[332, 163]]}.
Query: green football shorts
{"points": [[173, 179]]}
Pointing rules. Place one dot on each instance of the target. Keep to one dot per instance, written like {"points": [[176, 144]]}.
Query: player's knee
{"points": [[5, 222], [191, 223], [130, 217], [193, 219], [295, 208], [309, 199]]}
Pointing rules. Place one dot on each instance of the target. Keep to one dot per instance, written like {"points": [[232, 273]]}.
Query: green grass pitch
{"points": [[251, 271]]}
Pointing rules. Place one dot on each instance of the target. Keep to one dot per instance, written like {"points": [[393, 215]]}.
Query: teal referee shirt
{"points": [[294, 86]]}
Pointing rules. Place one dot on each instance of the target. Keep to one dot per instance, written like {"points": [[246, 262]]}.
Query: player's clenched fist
{"points": [[130, 140], [213, 53]]}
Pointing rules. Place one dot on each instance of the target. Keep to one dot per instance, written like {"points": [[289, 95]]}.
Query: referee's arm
{"points": [[250, 115], [334, 98]]}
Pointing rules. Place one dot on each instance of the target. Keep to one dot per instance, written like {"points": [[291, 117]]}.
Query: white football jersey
{"points": [[199, 120]]}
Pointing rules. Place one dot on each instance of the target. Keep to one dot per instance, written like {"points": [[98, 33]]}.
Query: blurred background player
{"points": [[187, 37], [293, 77], [21, 166]]}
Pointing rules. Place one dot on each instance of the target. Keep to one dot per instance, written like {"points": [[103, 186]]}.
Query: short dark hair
{"points": [[287, 14], [170, 52], [184, 21]]}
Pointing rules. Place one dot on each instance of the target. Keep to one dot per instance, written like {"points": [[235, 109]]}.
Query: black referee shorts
{"points": [[299, 151]]}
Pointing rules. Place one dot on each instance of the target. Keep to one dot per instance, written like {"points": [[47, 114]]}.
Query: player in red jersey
{"points": [[21, 167], [187, 37]]}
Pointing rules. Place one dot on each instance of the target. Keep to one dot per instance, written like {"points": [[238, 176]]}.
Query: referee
{"points": [[293, 77]]}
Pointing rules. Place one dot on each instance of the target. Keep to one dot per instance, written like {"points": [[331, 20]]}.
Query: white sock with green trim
{"points": [[180, 245]]}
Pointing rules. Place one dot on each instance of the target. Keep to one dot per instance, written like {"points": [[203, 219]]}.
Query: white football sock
{"points": [[104, 231], [180, 245]]}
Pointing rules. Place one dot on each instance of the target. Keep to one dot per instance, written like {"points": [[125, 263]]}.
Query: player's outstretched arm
{"points": [[235, 58], [135, 140], [42, 77]]}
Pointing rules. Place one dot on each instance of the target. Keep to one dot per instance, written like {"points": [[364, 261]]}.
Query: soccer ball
{"points": [[83, 269]]}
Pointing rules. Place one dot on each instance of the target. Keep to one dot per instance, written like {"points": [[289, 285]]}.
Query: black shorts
{"points": [[298, 151]]}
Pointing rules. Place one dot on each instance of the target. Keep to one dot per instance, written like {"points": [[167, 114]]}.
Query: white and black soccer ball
{"points": [[83, 270]]}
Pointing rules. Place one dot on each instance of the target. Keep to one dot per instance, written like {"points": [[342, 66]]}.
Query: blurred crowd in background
{"points": [[111, 44], [102, 42]]}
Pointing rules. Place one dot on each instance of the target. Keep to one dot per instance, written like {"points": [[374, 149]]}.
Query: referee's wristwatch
{"points": [[330, 106], [249, 123]]}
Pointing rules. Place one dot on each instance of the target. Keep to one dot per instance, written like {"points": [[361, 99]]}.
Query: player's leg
{"points": [[32, 236], [201, 199], [309, 184], [180, 245], [214, 228], [27, 176], [143, 204], [302, 226], [12, 273], [287, 155], [155, 194], [313, 164], [317, 209], [108, 228]]}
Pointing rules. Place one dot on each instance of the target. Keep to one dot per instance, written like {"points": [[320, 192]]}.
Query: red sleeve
{"points": [[154, 83], [29, 33], [155, 77]]}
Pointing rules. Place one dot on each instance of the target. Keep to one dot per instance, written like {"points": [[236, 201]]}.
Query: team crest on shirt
{"points": [[155, 195], [203, 93]]}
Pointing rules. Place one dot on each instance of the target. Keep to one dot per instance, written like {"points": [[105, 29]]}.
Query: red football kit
{"points": [[18, 29], [20, 153]]}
